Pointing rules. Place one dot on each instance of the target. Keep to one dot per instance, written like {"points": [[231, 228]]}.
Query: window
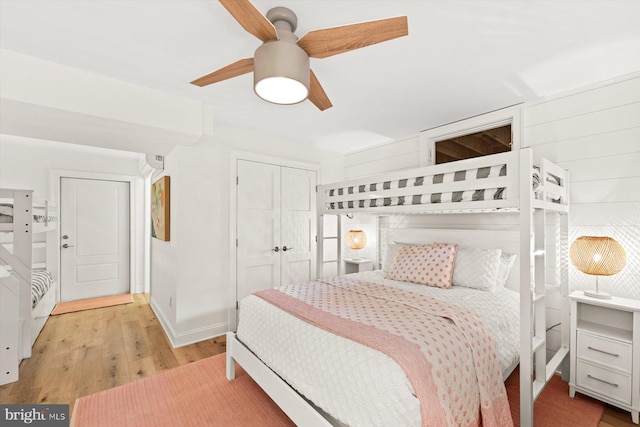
{"points": [[490, 141], [491, 133]]}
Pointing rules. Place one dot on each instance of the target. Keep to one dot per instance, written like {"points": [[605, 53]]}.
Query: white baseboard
{"points": [[182, 339]]}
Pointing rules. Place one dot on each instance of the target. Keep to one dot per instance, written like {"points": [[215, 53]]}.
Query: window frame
{"points": [[507, 116]]}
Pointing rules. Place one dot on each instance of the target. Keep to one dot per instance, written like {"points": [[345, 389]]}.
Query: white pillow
{"points": [[476, 268], [506, 263], [389, 256]]}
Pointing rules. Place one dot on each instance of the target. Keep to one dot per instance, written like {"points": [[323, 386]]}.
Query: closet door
{"points": [[298, 225], [258, 227], [276, 226]]}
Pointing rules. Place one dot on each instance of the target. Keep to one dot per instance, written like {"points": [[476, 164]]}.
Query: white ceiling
{"points": [[461, 58]]}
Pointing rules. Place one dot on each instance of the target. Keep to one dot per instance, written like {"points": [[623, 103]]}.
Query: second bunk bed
{"points": [[26, 282]]}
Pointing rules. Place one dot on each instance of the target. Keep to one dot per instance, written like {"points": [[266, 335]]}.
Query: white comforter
{"points": [[357, 385]]}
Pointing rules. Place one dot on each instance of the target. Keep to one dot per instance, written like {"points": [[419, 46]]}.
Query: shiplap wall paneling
{"points": [[595, 134], [398, 155]]}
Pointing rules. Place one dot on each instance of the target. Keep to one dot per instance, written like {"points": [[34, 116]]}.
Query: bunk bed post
{"points": [[23, 252], [563, 261], [22, 225], [526, 300]]}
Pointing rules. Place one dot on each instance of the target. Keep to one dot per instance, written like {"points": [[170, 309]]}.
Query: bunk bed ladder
{"points": [[535, 372], [539, 345]]}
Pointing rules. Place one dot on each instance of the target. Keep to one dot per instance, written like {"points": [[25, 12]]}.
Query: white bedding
{"points": [[357, 385]]}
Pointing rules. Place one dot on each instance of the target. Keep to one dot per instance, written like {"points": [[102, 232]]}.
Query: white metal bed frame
{"points": [[532, 208], [20, 324]]}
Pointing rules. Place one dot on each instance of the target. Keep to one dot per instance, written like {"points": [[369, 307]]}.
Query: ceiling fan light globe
{"points": [[281, 72], [281, 90]]}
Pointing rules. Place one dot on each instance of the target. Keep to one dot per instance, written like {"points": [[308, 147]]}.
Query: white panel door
{"points": [[258, 227], [94, 238], [276, 226], [298, 226]]}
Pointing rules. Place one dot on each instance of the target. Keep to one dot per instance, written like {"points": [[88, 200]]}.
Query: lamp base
{"points": [[596, 294]]}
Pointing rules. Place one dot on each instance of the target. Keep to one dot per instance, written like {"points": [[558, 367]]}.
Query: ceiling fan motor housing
{"points": [[285, 62], [281, 67]]}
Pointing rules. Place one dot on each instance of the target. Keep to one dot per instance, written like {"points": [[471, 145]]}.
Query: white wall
{"points": [[29, 164], [192, 271], [44, 100], [595, 134]]}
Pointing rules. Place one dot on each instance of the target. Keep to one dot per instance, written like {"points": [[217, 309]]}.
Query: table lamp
{"points": [[356, 239], [598, 256]]}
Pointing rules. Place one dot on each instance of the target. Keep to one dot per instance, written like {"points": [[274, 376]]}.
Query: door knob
{"points": [[276, 249], [65, 237], [67, 246], [285, 249]]}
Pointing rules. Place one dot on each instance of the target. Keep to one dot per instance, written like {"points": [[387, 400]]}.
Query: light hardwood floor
{"points": [[81, 353]]}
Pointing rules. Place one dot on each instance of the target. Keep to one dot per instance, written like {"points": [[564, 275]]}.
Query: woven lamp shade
{"points": [[597, 255], [356, 239]]}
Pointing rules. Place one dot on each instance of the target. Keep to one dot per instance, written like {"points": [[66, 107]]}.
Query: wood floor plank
{"points": [[136, 341]]}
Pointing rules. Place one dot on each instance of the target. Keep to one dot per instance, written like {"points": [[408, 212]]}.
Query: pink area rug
{"points": [[197, 394], [88, 304]]}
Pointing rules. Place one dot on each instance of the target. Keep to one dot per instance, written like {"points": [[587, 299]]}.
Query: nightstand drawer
{"points": [[612, 353], [604, 381]]}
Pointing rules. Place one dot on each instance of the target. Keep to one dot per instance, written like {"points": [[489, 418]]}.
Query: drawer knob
{"points": [[602, 381], [602, 351]]}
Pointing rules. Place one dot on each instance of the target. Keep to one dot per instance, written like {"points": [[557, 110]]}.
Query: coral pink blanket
{"points": [[445, 350]]}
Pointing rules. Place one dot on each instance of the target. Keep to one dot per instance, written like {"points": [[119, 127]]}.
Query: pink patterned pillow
{"points": [[430, 265]]}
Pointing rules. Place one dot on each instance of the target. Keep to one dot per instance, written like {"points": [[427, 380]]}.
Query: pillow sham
{"points": [[430, 265], [477, 268], [506, 263], [392, 248]]}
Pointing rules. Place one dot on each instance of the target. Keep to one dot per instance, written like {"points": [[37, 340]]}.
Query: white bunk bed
{"points": [[507, 184], [28, 289]]}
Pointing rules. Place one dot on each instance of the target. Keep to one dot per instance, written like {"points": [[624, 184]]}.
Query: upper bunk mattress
{"points": [[424, 189], [356, 384]]}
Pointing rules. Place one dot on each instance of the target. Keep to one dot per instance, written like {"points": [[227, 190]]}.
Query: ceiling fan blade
{"points": [[251, 19], [332, 41], [238, 68], [317, 95]]}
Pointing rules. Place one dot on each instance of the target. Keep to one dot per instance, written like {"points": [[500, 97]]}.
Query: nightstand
{"points": [[605, 350], [357, 265]]}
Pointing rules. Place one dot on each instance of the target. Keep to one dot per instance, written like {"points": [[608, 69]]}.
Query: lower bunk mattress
{"points": [[356, 385], [41, 281]]}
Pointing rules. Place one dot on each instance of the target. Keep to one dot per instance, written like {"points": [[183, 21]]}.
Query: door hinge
{"points": [[317, 186], [237, 305], [316, 238], [236, 243], [237, 180]]}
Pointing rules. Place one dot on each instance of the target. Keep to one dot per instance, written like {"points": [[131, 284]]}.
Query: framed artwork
{"points": [[160, 208]]}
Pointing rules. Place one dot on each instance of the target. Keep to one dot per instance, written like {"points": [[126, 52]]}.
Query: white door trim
{"points": [[234, 156], [58, 174]]}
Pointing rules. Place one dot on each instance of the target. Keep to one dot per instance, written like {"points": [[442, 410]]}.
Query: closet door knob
{"points": [[67, 246], [285, 249], [276, 249]]}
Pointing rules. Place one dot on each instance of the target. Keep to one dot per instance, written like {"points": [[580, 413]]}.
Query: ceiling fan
{"points": [[281, 71]]}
